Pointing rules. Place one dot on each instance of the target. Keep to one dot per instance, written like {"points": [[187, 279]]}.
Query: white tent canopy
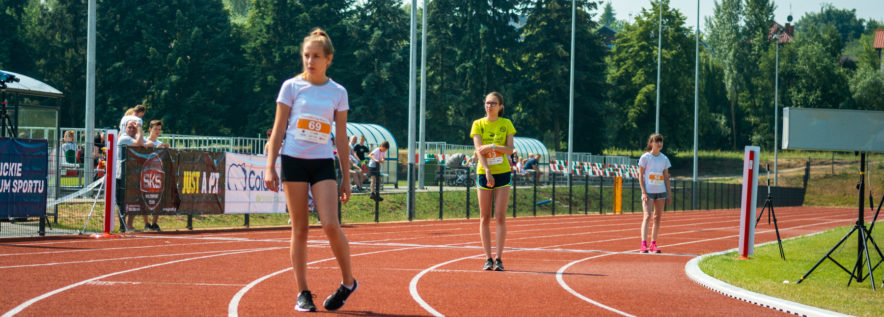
{"points": [[374, 134], [526, 146]]}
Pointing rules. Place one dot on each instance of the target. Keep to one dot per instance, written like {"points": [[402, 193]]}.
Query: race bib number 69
{"points": [[313, 129]]}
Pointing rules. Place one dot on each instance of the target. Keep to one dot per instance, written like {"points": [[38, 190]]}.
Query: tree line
{"points": [[214, 67]]}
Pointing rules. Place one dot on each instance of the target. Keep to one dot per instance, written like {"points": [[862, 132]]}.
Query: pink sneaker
{"points": [[654, 248], [643, 249]]}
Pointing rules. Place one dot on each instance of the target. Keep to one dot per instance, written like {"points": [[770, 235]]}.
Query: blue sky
{"points": [[865, 9]]}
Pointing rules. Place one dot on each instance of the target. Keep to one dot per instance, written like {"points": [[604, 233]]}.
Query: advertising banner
{"points": [[150, 182], [245, 191], [200, 182], [23, 171]]}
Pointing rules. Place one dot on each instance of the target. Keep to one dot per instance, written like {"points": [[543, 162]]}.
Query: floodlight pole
{"points": [[776, 106], [571, 95], [90, 91], [659, 61], [412, 80], [696, 98], [423, 99]]}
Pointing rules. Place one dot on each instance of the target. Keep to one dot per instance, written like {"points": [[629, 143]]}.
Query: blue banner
{"points": [[23, 173]]}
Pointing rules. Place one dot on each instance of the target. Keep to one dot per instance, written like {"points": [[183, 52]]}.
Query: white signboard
{"points": [[245, 191]]}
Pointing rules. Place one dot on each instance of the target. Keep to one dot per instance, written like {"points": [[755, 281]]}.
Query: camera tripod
{"points": [[5, 120], [768, 204], [863, 238]]}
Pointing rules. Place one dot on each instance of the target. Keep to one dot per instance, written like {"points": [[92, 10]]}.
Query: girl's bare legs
{"points": [[485, 220], [659, 204], [501, 197], [296, 200], [647, 209], [325, 195]]}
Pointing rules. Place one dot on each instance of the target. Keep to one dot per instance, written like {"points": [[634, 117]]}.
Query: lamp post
{"points": [[696, 100], [659, 61], [776, 39]]}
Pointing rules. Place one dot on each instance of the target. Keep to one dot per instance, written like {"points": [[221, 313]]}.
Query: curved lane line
{"points": [[416, 296], [22, 306], [575, 293], [578, 295], [412, 287], [233, 306]]}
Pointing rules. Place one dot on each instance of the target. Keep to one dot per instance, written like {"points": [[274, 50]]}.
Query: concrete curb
{"points": [[692, 269]]}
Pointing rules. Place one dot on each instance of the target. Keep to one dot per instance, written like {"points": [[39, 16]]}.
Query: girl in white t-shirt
{"points": [[306, 108], [375, 159], [653, 167]]}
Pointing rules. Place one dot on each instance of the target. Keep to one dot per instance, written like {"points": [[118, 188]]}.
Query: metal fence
{"points": [[76, 200], [453, 195], [602, 159]]}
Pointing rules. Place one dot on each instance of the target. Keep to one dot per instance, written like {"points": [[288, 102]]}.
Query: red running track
{"points": [[561, 265]]}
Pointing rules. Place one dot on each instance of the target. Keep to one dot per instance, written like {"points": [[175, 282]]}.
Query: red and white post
{"points": [[110, 186], [748, 201]]}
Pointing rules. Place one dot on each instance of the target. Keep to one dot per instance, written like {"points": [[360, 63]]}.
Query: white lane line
{"points": [[416, 296], [233, 305], [112, 283], [113, 259], [412, 286], [22, 306], [108, 249], [565, 286]]}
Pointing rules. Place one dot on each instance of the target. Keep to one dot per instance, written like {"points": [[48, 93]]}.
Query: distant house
{"points": [[608, 35], [786, 32], [879, 45]]}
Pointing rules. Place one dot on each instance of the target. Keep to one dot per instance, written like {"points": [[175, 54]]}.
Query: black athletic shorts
{"points": [[307, 170], [500, 180], [374, 171]]}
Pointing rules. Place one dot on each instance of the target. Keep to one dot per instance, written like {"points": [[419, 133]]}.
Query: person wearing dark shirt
{"points": [[360, 149], [530, 167]]}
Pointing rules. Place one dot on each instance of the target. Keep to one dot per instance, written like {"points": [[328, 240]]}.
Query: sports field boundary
{"points": [[693, 271]]}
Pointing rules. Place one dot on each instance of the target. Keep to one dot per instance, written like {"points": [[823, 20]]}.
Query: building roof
{"points": [[30, 86], [879, 39], [786, 33]]}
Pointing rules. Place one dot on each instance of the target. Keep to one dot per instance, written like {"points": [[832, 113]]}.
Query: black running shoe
{"points": [[155, 227], [489, 265], [305, 302], [338, 299], [498, 265]]}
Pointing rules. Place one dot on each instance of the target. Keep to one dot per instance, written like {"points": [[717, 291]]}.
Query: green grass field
{"points": [[826, 287]]}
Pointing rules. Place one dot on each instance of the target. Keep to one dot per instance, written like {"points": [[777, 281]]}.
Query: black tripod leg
{"points": [[757, 219], [871, 239], [868, 258], [826, 257], [777, 229]]}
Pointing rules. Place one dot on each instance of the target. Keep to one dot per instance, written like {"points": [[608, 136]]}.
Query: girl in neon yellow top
{"points": [[493, 139]]}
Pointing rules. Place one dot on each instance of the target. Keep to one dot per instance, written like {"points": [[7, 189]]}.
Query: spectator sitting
{"points": [[360, 149], [69, 148], [356, 174], [353, 142], [530, 166]]}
